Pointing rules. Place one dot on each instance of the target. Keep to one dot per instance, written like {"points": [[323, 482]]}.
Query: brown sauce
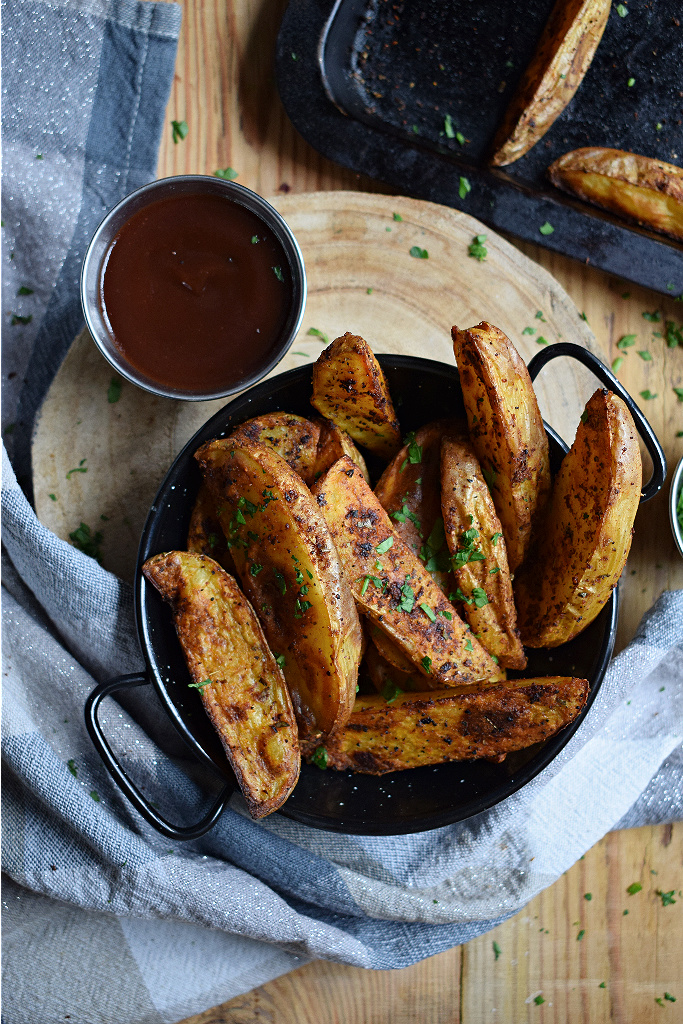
{"points": [[196, 291]]}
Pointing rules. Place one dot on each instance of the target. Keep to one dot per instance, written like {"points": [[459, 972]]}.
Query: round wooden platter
{"points": [[100, 462]]}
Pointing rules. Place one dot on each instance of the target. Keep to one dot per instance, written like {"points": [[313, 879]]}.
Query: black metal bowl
{"points": [[402, 802]]}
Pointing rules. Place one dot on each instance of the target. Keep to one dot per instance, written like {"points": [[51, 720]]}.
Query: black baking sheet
{"points": [[371, 83]]}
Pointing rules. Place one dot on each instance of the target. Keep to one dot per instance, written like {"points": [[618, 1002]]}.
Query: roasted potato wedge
{"points": [[409, 491], [239, 681], [333, 444], [647, 191], [389, 680], [205, 535], [506, 430], [586, 535], [290, 571], [392, 587], [350, 389], [293, 437], [563, 56], [454, 725], [386, 660], [478, 552]]}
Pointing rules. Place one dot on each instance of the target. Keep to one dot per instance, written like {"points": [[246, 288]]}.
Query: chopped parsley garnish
{"points": [[16, 319], [281, 660], [667, 898], [255, 568], [315, 333], [477, 249], [280, 580], [114, 391], [459, 596], [581, 935], [584, 317], [397, 216], [414, 449], [540, 340], [546, 229], [391, 691], [384, 546], [622, 11], [428, 612], [25, 291], [71, 765], [200, 686], [617, 364], [529, 330], [468, 645], [588, 896], [647, 394], [631, 82], [212, 539], [460, 138], [492, 572], [539, 1000], [446, 615], [80, 468], [95, 795], [633, 888], [405, 514], [367, 580], [448, 127], [298, 576], [480, 598], [653, 318], [418, 253], [369, 291], [180, 130], [427, 663], [320, 757], [469, 551], [679, 394], [435, 552], [669, 997], [489, 475], [539, 316], [647, 356], [496, 537], [227, 173], [301, 607], [254, 239], [674, 335], [626, 341], [407, 601], [52, 497], [496, 950], [87, 542], [278, 273], [464, 187]]}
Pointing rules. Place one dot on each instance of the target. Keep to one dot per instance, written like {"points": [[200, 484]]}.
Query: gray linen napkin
{"points": [[104, 921]]}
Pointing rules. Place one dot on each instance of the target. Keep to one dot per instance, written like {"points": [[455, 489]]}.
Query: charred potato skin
{"points": [[247, 701], [293, 437], [506, 430], [359, 525], [467, 505], [562, 58], [448, 725], [587, 533], [303, 602], [647, 191], [349, 388]]}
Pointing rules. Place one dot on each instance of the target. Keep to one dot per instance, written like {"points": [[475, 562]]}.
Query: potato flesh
{"points": [[350, 389], [333, 444], [586, 536], [562, 58], [506, 430], [247, 700], [293, 437], [467, 506], [304, 604], [442, 650], [454, 725], [629, 185]]}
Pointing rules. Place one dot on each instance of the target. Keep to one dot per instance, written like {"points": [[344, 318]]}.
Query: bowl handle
{"points": [[118, 772], [605, 375]]}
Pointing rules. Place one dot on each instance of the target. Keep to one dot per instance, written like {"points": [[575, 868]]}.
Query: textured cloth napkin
{"points": [[104, 920]]}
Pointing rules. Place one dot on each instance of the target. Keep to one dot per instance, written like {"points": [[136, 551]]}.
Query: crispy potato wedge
{"points": [[241, 685], [392, 587], [506, 430], [563, 56], [394, 662], [290, 571], [477, 547], [350, 389], [454, 725], [647, 191], [586, 535], [205, 535], [293, 437], [409, 491], [387, 679], [333, 444]]}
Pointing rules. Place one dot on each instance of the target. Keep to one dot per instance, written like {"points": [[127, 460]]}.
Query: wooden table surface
{"points": [[587, 948]]}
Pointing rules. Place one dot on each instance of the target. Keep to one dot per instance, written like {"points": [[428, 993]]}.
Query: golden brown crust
{"points": [[506, 430], [292, 437], [246, 699], [333, 444], [290, 570], [447, 725], [392, 587], [205, 535], [477, 546], [562, 58], [350, 389], [640, 188], [586, 535]]}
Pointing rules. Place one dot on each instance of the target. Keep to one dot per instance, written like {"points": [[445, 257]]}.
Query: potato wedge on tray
{"points": [[205, 535], [350, 389], [506, 430], [292, 437], [479, 555], [392, 587], [289, 569], [586, 535], [640, 188], [333, 444], [240, 683], [454, 725], [562, 58]]}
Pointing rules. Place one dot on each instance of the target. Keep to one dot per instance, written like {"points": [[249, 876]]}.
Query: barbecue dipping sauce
{"points": [[196, 291]]}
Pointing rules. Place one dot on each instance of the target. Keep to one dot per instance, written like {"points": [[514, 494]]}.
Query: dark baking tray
{"points": [[369, 84]]}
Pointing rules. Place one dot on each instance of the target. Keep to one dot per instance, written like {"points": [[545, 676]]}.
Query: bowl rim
{"points": [[516, 781]]}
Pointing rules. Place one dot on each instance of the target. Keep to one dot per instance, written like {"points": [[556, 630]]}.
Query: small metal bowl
{"points": [[676, 490], [192, 184]]}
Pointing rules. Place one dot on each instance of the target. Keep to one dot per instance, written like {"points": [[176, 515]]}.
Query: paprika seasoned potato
{"points": [[417, 729], [350, 389], [647, 191], [290, 571], [292, 437], [506, 430], [478, 552], [562, 58], [392, 587], [239, 681], [586, 535]]}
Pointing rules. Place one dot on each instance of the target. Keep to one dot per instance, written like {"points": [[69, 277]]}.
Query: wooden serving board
{"points": [[361, 278]]}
